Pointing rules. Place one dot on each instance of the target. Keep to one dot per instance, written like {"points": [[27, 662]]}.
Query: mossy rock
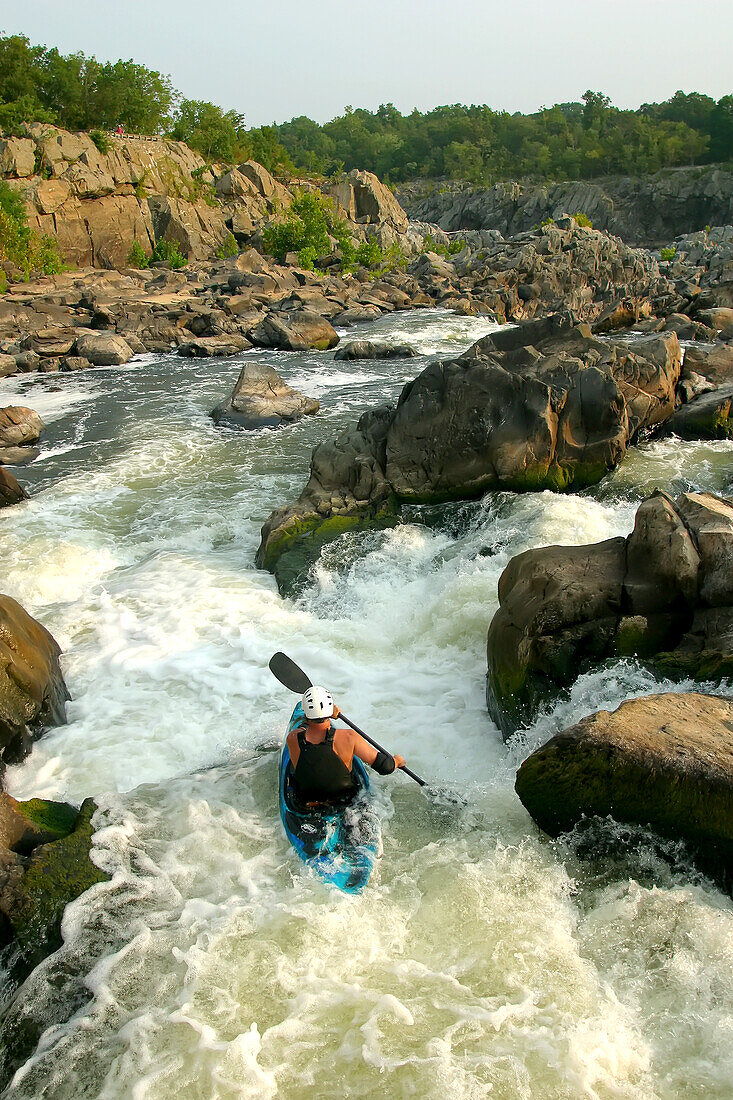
{"points": [[57, 873], [297, 546], [58, 818]]}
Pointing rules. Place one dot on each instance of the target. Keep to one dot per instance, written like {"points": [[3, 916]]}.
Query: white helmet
{"points": [[317, 703]]}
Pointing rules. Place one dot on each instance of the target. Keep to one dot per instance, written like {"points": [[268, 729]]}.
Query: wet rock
{"points": [[663, 595], [32, 690], [261, 399], [45, 865], [543, 405], [663, 762], [294, 332], [10, 491], [71, 363], [707, 416], [19, 427], [207, 346], [27, 361], [103, 349], [370, 349]]}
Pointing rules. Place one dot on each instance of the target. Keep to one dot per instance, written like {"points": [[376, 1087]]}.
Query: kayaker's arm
{"points": [[380, 761]]}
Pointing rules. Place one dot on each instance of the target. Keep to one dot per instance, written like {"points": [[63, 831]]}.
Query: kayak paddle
{"points": [[292, 677]]}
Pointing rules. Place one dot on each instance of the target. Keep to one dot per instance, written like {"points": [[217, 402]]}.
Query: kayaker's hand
{"points": [[336, 711], [399, 761]]}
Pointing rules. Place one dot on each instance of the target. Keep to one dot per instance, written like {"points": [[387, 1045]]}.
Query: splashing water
{"points": [[483, 960]]}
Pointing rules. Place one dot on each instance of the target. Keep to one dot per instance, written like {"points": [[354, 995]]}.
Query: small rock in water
{"points": [[369, 349], [261, 399]]}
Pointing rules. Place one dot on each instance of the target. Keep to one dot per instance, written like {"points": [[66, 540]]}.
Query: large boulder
{"points": [[374, 203], [663, 595], [103, 349], [544, 405], [32, 690], [294, 332], [19, 427], [664, 761], [261, 399]]}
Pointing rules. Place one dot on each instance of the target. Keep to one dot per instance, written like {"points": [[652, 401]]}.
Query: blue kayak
{"points": [[337, 839]]}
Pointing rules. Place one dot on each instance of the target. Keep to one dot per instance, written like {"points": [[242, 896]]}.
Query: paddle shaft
{"points": [[293, 678], [379, 748]]}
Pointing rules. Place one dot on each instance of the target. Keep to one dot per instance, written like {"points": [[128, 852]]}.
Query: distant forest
{"points": [[476, 144]]}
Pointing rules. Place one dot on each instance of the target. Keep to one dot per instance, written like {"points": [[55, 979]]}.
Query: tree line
{"points": [[576, 140]]}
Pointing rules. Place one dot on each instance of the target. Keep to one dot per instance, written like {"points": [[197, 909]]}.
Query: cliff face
{"points": [[649, 210], [97, 205]]}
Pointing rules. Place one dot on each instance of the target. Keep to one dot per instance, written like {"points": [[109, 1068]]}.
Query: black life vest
{"points": [[320, 771]]}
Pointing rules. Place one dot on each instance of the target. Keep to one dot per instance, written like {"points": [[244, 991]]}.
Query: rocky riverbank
{"points": [[44, 845]]}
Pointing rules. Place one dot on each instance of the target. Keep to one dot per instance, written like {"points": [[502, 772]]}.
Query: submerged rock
{"points": [[370, 349], [261, 399], [664, 595], [544, 405], [664, 761], [32, 689]]}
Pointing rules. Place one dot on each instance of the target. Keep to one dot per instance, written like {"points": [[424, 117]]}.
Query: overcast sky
{"points": [[275, 59]]}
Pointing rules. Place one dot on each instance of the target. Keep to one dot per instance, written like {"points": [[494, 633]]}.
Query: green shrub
{"points": [[583, 220], [369, 254], [3, 282], [137, 257], [168, 252], [21, 246], [450, 249], [668, 253], [101, 140], [310, 222], [548, 221], [227, 248]]}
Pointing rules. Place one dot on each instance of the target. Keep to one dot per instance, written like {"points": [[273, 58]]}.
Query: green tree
{"points": [[216, 134]]}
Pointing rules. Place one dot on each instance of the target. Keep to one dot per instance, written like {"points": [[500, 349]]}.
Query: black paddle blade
{"points": [[288, 673]]}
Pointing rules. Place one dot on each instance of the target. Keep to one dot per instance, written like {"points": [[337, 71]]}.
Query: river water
{"points": [[483, 960]]}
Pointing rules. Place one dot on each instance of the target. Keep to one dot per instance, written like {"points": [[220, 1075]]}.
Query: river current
{"points": [[483, 960]]}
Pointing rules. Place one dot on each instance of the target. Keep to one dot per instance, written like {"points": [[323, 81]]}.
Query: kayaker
{"points": [[322, 754]]}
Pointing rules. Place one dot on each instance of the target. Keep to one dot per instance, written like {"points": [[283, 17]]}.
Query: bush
{"points": [[21, 246], [307, 228], [101, 140], [583, 220], [168, 252], [668, 253], [450, 249], [227, 248], [137, 257], [548, 221], [369, 254]]}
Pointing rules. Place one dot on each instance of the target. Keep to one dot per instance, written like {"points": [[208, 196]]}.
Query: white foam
{"points": [[479, 961]]}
